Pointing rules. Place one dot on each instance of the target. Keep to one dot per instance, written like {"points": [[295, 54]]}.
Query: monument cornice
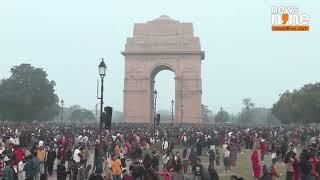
{"points": [[201, 53]]}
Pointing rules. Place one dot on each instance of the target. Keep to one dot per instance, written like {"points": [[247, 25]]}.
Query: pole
{"points": [[97, 112], [62, 114], [101, 109], [155, 112], [172, 116], [182, 113]]}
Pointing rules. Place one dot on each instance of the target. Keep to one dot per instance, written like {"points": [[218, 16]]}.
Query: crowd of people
{"points": [[35, 151]]}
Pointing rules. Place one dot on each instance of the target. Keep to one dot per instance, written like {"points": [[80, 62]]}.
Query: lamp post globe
{"points": [[102, 68], [155, 93]]}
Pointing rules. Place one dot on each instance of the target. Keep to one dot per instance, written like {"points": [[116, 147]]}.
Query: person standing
{"points": [[193, 159], [185, 160], [290, 170], [265, 174], [226, 159], [305, 165], [256, 166], [41, 155], [165, 145], [155, 161], [274, 158], [98, 162], [36, 166], [96, 175], [198, 170], [296, 167], [217, 157], [21, 173], [50, 160], [262, 149], [212, 157], [107, 174], [8, 173], [233, 148], [29, 168], [213, 173], [61, 171], [115, 168], [177, 163]]}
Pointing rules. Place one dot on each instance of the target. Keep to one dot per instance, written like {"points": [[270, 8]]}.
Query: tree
{"points": [[257, 115], [248, 105], [80, 114], [206, 113], [28, 95], [299, 106], [222, 116]]}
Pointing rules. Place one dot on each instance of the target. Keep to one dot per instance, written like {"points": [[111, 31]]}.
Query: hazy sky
{"points": [[243, 57]]}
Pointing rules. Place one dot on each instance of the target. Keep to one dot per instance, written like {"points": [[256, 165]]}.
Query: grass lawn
{"points": [[243, 165]]}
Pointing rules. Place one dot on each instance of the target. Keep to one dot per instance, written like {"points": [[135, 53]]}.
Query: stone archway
{"points": [[162, 44]]}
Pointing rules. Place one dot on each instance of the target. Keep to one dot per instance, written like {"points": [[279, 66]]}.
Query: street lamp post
{"points": [[222, 116], [102, 72], [62, 103], [182, 113], [172, 104], [155, 94]]}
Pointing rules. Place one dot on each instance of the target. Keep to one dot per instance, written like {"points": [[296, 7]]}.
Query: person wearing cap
{"points": [[41, 155]]}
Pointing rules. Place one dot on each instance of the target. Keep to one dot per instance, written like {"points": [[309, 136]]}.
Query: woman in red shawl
{"points": [[256, 166]]}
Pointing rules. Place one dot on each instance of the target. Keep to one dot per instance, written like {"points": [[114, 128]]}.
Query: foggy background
{"points": [[244, 58]]}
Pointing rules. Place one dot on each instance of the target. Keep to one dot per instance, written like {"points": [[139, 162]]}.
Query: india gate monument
{"points": [[162, 44]]}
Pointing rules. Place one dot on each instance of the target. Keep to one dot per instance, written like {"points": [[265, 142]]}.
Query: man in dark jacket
{"points": [[305, 165], [155, 161], [29, 168], [212, 157], [96, 175], [51, 156], [61, 171], [177, 163]]}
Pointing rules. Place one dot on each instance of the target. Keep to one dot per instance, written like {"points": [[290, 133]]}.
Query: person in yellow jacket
{"points": [[41, 156], [115, 168]]}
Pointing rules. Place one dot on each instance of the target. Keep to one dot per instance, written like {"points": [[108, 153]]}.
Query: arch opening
{"points": [[163, 80]]}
